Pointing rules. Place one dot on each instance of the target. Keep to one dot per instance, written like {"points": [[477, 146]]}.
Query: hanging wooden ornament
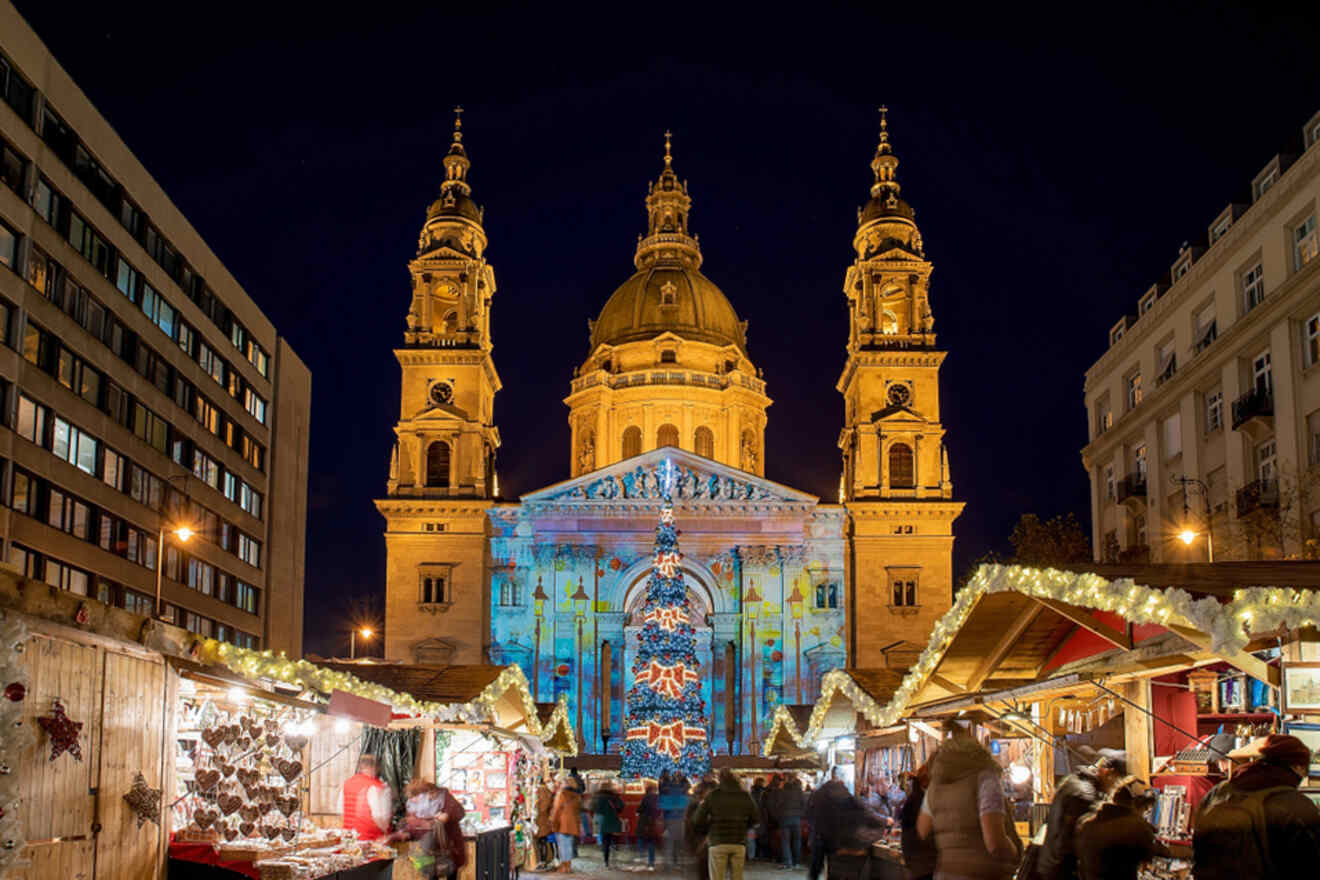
{"points": [[63, 732], [143, 800]]}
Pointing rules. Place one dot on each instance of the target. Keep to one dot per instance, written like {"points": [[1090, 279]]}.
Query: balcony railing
{"points": [[1256, 403], [1258, 495], [1132, 486]]}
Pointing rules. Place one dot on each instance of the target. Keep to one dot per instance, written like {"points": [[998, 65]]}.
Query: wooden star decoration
{"points": [[143, 800], [63, 732]]}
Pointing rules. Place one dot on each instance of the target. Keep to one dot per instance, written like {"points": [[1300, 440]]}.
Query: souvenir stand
{"points": [[481, 739]]}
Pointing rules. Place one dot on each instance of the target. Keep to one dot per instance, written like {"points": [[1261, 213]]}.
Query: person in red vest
{"points": [[366, 803]]}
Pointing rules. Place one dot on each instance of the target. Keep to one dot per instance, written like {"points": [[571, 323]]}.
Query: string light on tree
{"points": [[666, 724]]}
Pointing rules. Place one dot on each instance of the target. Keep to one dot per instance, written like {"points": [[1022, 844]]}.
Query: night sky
{"points": [[1056, 162]]}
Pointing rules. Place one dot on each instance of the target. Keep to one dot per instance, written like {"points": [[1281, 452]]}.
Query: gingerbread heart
{"points": [[272, 740], [246, 828], [213, 736], [231, 834], [248, 776], [289, 833], [266, 807], [227, 770], [229, 803], [271, 725], [271, 831], [206, 779], [205, 817], [250, 812], [296, 742], [244, 743], [232, 733], [288, 805], [290, 770]]}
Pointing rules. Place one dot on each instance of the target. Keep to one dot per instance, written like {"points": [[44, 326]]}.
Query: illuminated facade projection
{"points": [[781, 587]]}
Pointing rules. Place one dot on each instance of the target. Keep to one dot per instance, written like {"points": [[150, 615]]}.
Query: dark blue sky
{"points": [[1056, 157]]}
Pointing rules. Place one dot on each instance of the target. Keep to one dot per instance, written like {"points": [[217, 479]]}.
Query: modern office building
{"points": [[141, 389], [1205, 410]]}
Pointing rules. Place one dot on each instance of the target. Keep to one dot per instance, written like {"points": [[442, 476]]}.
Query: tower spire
{"points": [[456, 161], [667, 208], [885, 162], [668, 158]]}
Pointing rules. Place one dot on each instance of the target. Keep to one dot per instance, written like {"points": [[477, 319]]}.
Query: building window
{"points": [[1267, 461], [1220, 229], [903, 590], [666, 435], [1262, 378], [902, 467], [1313, 438], [1171, 429], [434, 585], [1205, 329], [8, 246], [1253, 287], [1182, 268], [827, 595], [1134, 390], [1146, 303], [1311, 340], [668, 356], [1104, 417], [1139, 536], [1139, 459], [703, 443], [510, 593], [437, 464], [1167, 358], [1264, 183], [1305, 242], [632, 441], [1115, 334], [1110, 493], [1214, 411]]}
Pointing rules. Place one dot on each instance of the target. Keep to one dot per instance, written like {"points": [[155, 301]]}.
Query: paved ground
{"points": [[625, 862]]}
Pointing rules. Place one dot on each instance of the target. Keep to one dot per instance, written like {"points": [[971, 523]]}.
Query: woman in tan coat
{"points": [[566, 821], [545, 799]]}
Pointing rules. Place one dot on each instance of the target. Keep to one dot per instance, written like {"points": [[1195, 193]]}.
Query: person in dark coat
{"points": [[649, 823], [918, 853], [673, 809], [694, 836], [727, 813], [1077, 795], [607, 807], [819, 808], [1228, 842], [789, 808], [1114, 838]]}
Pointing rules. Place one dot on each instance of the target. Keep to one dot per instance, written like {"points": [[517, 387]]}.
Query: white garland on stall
{"points": [[559, 718], [14, 737], [1228, 625], [783, 719], [279, 667]]}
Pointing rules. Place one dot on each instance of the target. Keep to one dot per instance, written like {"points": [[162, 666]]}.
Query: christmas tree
{"points": [[666, 723]]}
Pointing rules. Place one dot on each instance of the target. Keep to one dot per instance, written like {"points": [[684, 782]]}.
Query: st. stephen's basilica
{"points": [[785, 586]]}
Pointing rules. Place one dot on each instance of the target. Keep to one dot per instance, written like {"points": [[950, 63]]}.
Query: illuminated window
{"points": [[632, 441], [902, 467], [437, 464], [704, 442], [666, 435], [1253, 287], [1304, 242]]}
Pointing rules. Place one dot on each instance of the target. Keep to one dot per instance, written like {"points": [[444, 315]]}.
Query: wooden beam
{"points": [[1253, 666], [1005, 644], [1088, 621], [940, 681]]}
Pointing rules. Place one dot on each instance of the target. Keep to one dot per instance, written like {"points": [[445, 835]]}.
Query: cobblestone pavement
{"points": [[625, 862]]}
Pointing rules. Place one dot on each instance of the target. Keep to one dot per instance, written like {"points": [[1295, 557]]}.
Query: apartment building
{"points": [[1204, 411], [144, 397]]}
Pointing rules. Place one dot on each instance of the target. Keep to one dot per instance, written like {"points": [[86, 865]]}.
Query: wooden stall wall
{"points": [[118, 693], [334, 755]]}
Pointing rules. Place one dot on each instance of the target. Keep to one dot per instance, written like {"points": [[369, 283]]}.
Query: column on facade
{"points": [[604, 440], [725, 630], [1098, 500], [685, 439], [648, 427], [1237, 470], [1156, 487], [918, 465], [611, 625], [1287, 432]]}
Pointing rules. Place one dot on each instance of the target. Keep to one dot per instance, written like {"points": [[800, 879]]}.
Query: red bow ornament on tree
{"points": [[667, 739], [668, 681], [667, 619], [667, 563]]}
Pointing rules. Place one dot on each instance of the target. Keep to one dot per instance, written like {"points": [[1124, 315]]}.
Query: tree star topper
{"points": [[63, 732]]}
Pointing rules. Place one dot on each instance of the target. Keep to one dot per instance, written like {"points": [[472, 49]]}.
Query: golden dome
{"points": [[668, 293], [668, 298]]}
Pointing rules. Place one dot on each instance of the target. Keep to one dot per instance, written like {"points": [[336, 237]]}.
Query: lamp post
{"points": [[580, 600], [182, 533], [352, 640], [751, 607], [539, 598], [1188, 534]]}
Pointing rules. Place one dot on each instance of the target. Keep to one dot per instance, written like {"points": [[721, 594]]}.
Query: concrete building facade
{"points": [[1204, 412], [141, 388], [785, 587]]}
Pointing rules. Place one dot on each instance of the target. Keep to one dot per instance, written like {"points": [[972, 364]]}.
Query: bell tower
{"points": [[895, 479], [442, 470]]}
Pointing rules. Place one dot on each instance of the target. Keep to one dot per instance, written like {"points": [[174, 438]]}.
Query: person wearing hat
{"points": [[1257, 825], [1115, 838], [1076, 796]]}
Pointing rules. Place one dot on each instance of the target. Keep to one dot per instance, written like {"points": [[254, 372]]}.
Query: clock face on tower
{"points": [[899, 395], [442, 393]]}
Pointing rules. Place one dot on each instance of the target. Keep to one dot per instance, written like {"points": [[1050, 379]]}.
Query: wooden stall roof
{"points": [[1013, 626], [786, 728], [846, 694], [437, 684], [556, 728]]}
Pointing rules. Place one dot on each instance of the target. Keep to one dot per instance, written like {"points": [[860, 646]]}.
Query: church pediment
{"points": [[897, 414], [694, 482], [441, 412]]}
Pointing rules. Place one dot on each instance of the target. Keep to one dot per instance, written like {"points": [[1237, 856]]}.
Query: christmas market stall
{"points": [[483, 739], [1050, 661]]}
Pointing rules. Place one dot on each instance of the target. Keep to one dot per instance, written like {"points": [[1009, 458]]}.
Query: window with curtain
{"points": [[902, 467]]}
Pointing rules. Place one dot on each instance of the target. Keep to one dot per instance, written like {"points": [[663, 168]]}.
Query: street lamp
{"points": [[539, 598], [352, 640], [1188, 534], [182, 533], [795, 603], [580, 600]]}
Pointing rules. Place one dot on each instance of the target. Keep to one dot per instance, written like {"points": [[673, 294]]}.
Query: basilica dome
{"points": [[668, 298]]}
